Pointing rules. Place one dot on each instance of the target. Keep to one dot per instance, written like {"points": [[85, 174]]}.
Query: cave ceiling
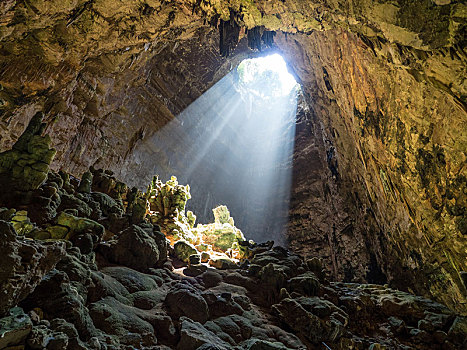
{"points": [[383, 83]]}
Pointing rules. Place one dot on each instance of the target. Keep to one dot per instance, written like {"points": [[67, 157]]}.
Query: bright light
{"points": [[233, 146], [266, 76]]}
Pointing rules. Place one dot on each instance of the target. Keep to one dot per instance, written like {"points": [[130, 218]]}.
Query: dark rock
{"points": [[69, 201], [134, 248], [193, 335], [211, 278], [184, 300], [259, 344], [23, 264], [195, 270], [85, 183], [165, 329], [223, 263], [14, 328], [116, 318], [132, 280], [458, 331], [107, 204], [306, 324], [194, 259], [306, 284], [58, 298]]}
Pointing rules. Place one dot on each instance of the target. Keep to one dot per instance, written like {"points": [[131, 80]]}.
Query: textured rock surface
{"points": [[275, 300], [23, 264], [384, 83]]}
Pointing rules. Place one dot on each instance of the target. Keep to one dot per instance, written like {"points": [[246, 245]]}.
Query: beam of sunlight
{"points": [[234, 146]]}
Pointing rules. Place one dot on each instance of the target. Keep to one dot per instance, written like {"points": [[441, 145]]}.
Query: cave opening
{"points": [[234, 147]]}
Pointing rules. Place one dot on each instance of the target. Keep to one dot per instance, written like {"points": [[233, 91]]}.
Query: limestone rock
{"points": [[183, 300], [23, 264], [26, 165], [193, 335], [306, 324], [222, 263], [136, 248], [183, 250], [14, 328]]}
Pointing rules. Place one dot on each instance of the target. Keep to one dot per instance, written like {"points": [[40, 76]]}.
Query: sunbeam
{"points": [[234, 146]]}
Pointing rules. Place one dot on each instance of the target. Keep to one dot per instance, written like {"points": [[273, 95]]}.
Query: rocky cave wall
{"points": [[384, 84]]}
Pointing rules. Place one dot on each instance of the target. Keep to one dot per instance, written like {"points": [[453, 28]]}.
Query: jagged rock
{"points": [[14, 328], [183, 300], [42, 337], [85, 183], [193, 335], [58, 298], [306, 324], [76, 226], [107, 204], [135, 248], [221, 305], [69, 201], [305, 284], [222, 235], [25, 166], [23, 264]]}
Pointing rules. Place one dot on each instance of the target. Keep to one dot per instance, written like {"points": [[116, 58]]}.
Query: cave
{"points": [[161, 189]]}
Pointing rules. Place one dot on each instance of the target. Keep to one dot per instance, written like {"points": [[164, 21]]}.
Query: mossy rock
{"points": [[222, 263], [21, 223], [77, 225], [225, 240], [183, 250], [57, 232], [221, 214]]}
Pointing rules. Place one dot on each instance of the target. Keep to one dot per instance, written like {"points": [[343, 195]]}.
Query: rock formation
{"points": [[378, 193], [91, 278]]}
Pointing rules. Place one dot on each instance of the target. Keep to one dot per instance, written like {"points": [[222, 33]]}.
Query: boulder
{"points": [[222, 263], [458, 330], [135, 248], [305, 284], [183, 250], [184, 300]]}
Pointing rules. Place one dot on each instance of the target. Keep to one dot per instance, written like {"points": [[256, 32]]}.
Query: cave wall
{"points": [[384, 84], [400, 143]]}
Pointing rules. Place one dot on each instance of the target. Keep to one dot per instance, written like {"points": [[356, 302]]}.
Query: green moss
{"points": [[183, 250], [27, 163], [221, 214], [76, 225]]}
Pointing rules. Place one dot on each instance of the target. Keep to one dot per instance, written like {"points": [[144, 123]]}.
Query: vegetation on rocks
{"points": [[96, 273]]}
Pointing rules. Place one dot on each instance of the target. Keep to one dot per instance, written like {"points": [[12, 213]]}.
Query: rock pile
{"points": [[84, 267]]}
